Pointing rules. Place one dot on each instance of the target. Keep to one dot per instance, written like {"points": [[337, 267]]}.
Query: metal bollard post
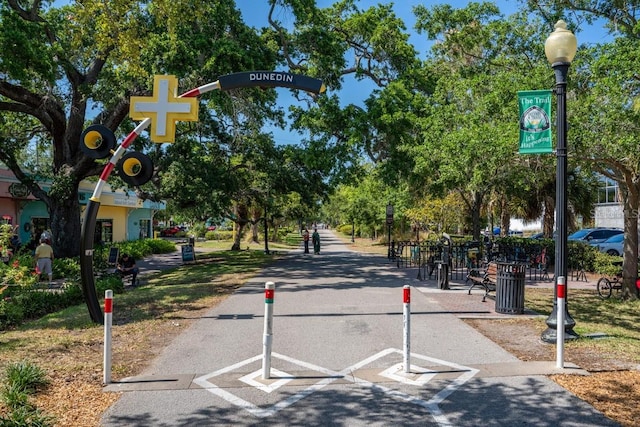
{"points": [[267, 339], [562, 294], [108, 309], [406, 321]]}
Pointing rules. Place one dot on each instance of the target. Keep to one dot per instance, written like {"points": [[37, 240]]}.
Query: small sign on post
{"points": [[188, 254], [113, 256]]}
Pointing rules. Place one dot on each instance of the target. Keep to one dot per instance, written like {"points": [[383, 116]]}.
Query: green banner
{"points": [[535, 121]]}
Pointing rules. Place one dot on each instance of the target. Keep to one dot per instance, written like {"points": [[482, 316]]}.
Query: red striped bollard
{"points": [[267, 339], [561, 291], [406, 321], [108, 313]]}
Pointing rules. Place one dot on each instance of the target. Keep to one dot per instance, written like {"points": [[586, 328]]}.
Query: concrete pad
{"points": [[151, 383], [519, 369]]}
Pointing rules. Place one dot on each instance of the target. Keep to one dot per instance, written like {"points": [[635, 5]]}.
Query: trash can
{"points": [[510, 288], [192, 241]]}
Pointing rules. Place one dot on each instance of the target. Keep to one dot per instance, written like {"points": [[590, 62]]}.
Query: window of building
{"points": [[608, 191], [104, 231], [145, 228]]}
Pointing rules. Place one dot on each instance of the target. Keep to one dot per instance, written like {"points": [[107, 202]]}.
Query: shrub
{"points": [[293, 239], [606, 265], [68, 268], [27, 416], [21, 380], [17, 274], [111, 281], [11, 314], [25, 376], [219, 235], [344, 229]]}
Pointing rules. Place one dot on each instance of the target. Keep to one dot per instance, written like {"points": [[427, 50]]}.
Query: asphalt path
{"points": [[338, 359]]}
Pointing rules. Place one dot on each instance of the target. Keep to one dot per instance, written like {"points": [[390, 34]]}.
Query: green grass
{"points": [[179, 288], [615, 318]]}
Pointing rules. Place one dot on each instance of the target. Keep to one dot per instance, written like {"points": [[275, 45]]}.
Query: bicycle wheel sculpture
{"points": [[161, 111]]}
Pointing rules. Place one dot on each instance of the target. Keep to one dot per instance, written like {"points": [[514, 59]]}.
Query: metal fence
{"points": [[462, 257]]}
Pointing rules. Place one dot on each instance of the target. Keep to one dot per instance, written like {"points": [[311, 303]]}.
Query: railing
{"points": [[462, 257]]}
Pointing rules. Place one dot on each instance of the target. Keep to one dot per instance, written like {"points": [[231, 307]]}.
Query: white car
{"points": [[613, 245]]}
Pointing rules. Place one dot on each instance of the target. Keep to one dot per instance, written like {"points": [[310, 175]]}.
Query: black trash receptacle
{"points": [[192, 241], [510, 288]]}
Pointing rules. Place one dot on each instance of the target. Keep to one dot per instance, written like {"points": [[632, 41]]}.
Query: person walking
{"points": [[305, 238], [44, 259], [316, 241]]}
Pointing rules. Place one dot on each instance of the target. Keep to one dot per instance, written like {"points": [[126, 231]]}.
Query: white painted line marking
{"points": [[418, 376], [267, 388], [432, 405], [204, 382]]}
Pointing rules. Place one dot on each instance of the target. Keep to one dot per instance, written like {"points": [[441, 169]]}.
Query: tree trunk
{"points": [[505, 217], [255, 222], [238, 237], [65, 223], [255, 238], [241, 219], [476, 207], [548, 218], [630, 249]]}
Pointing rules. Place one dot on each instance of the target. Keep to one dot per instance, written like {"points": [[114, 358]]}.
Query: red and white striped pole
{"points": [[267, 339], [108, 314], [562, 295], [406, 321]]}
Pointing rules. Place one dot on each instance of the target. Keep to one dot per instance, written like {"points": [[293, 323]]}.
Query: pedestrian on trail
{"points": [[305, 238], [44, 259], [316, 241]]}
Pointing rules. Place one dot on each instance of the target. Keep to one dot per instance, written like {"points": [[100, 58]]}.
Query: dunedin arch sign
{"points": [[271, 79], [160, 111]]}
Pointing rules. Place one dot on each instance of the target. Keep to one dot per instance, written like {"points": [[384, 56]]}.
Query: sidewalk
{"points": [[337, 358]]}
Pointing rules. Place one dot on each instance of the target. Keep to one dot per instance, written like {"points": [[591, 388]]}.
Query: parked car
{"points": [[539, 236], [171, 231], [613, 245], [594, 235]]}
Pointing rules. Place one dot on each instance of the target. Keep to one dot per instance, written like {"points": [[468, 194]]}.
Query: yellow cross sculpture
{"points": [[164, 108]]}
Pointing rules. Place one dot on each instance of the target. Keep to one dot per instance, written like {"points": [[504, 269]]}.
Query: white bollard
{"points": [[406, 321], [562, 294], [267, 339], [108, 310]]}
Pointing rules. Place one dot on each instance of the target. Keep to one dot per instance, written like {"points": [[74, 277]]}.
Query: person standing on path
{"points": [[44, 259], [316, 241], [305, 238]]}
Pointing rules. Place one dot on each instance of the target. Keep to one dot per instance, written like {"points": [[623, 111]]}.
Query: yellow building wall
{"points": [[119, 217]]}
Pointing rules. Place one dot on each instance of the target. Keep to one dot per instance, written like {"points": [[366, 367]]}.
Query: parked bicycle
{"points": [[606, 285]]}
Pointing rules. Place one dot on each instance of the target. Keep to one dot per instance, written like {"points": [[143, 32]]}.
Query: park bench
{"points": [[486, 279]]}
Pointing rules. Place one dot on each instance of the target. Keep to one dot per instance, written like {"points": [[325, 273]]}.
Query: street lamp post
{"points": [[560, 48], [389, 223], [353, 231], [266, 231]]}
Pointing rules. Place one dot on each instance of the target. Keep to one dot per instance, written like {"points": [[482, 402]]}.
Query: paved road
{"points": [[337, 359]]}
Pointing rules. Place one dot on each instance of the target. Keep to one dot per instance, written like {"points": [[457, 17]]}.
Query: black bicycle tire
{"points": [[604, 288]]}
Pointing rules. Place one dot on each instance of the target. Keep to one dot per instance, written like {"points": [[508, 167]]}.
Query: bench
{"points": [[486, 279]]}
